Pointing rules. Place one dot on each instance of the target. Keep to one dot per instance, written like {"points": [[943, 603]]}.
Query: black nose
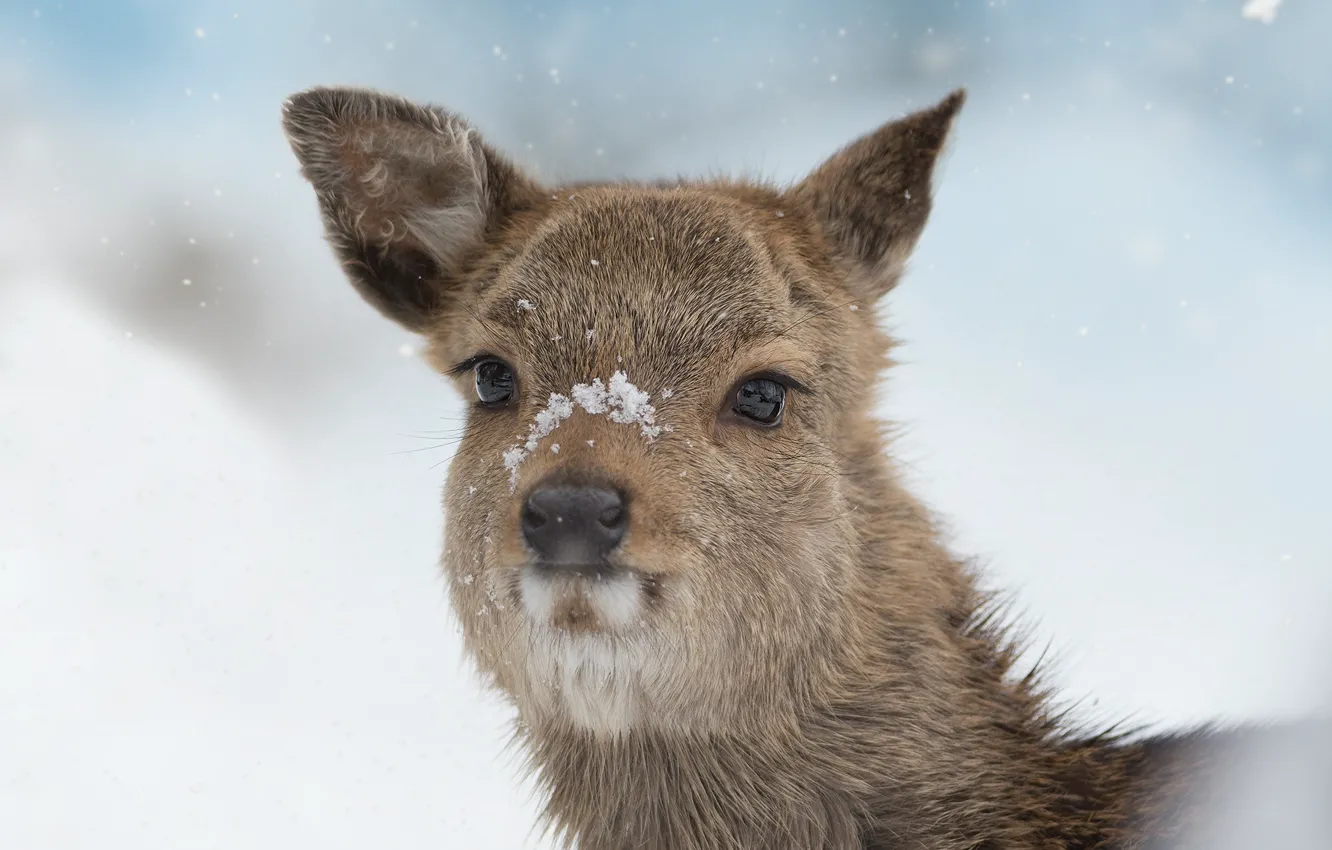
{"points": [[570, 526]]}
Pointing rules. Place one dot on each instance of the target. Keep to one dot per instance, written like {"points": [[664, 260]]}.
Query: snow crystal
{"points": [[512, 458], [471, 491], [524, 304], [555, 448], [620, 399], [557, 410], [1261, 10], [667, 393], [590, 333], [631, 405], [596, 262], [591, 397]]}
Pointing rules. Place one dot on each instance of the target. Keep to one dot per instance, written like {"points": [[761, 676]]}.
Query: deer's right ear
{"points": [[408, 193]]}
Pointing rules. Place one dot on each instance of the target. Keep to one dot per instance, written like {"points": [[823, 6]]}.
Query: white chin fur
{"points": [[595, 679], [617, 600]]}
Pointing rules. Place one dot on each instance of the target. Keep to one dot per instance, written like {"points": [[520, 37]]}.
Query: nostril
{"points": [[612, 516], [533, 517]]}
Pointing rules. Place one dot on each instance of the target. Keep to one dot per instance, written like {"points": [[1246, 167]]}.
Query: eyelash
{"points": [[469, 364], [777, 377]]}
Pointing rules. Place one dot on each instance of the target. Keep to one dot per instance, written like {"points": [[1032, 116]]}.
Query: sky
{"points": [[219, 507]]}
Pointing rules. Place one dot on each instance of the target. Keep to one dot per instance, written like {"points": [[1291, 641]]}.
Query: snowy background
{"points": [[221, 623]]}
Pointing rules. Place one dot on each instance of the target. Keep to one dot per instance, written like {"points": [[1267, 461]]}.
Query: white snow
{"points": [[631, 405], [620, 400], [591, 397], [524, 304], [1261, 10]]}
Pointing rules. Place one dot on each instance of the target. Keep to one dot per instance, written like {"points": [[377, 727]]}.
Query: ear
{"points": [[408, 193], [872, 198]]}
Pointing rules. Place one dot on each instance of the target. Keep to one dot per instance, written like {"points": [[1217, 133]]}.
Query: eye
{"points": [[494, 382], [760, 400]]}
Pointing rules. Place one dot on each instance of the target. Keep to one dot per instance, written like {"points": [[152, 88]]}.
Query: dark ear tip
{"points": [[312, 102], [946, 110]]}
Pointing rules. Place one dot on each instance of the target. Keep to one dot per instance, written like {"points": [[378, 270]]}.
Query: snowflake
{"points": [[1261, 10]]}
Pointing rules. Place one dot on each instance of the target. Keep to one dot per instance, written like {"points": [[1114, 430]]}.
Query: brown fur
{"points": [[809, 666]]}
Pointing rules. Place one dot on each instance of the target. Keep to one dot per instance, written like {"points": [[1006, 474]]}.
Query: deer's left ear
{"points": [[873, 197]]}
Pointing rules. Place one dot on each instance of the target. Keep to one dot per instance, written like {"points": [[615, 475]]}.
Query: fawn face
{"points": [[650, 515]]}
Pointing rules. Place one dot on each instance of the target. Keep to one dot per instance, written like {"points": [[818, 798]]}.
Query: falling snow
{"points": [[1261, 10]]}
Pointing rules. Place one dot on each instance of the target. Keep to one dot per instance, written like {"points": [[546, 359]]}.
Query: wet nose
{"points": [[572, 526]]}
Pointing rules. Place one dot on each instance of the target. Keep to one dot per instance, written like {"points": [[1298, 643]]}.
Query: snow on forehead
{"points": [[619, 399]]}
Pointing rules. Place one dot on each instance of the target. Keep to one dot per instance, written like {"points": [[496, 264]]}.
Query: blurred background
{"points": [[221, 620]]}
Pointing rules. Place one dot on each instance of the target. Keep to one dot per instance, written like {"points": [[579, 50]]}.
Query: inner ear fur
{"points": [[408, 193]]}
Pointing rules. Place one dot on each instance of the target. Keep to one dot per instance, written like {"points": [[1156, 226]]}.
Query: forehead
{"points": [[650, 276]]}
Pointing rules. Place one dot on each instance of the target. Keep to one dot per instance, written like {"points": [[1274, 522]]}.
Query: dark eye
{"points": [[494, 382], [760, 400]]}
